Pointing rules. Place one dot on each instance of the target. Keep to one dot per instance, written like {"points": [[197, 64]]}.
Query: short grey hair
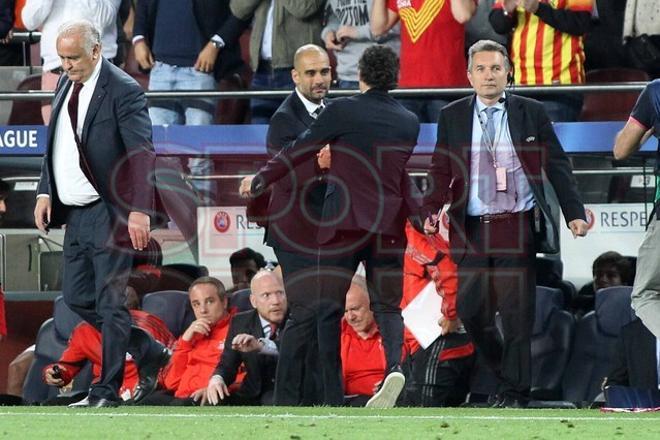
{"points": [[85, 28], [488, 46]]}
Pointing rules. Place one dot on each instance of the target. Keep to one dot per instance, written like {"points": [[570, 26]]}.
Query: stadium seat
{"points": [[50, 344], [549, 273], [552, 337], [610, 106], [241, 300], [595, 338], [27, 112], [173, 307]]}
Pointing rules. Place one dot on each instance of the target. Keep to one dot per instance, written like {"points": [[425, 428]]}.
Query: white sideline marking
{"points": [[623, 417]]}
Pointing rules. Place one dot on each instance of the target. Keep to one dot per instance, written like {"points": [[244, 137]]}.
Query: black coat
{"points": [[537, 148], [260, 368], [372, 136], [297, 200], [116, 143]]}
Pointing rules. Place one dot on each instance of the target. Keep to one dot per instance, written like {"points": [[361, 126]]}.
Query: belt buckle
{"points": [[486, 219]]}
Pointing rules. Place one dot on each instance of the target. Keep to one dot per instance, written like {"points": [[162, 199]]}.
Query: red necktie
{"points": [[73, 109], [273, 331]]}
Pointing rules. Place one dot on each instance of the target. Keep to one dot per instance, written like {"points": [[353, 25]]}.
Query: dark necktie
{"points": [[487, 177], [317, 112], [72, 107]]}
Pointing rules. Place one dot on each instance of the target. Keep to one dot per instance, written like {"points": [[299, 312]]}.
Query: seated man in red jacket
{"points": [[197, 352], [362, 354], [85, 345], [440, 373]]}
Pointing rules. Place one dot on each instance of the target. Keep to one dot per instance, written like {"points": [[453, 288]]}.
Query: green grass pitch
{"points": [[321, 423]]}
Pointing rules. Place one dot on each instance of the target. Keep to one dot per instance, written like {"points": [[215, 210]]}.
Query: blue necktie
{"points": [[487, 177]]}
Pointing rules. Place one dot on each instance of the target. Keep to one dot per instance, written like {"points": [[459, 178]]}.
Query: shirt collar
{"points": [[309, 105], [498, 105], [94, 76]]}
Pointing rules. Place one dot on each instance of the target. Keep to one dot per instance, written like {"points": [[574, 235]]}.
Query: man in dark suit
{"points": [[293, 215], [97, 178], [635, 361], [254, 335], [366, 204], [493, 151]]}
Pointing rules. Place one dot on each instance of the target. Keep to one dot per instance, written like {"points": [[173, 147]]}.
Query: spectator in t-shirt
{"points": [[347, 33], [432, 46], [547, 47]]}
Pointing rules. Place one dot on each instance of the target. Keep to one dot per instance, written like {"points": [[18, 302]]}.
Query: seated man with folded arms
{"points": [[85, 345], [197, 351], [254, 337]]}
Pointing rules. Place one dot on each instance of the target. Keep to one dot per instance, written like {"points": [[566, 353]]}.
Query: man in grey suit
{"points": [[97, 178]]}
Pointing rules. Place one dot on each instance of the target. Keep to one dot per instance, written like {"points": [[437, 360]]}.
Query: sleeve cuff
{"points": [[137, 38], [269, 347]]}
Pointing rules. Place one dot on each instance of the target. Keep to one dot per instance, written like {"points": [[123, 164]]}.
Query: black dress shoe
{"points": [[513, 402], [95, 402], [149, 374]]}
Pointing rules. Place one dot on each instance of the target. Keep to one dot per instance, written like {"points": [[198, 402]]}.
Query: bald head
{"points": [[267, 296], [357, 312], [311, 72]]}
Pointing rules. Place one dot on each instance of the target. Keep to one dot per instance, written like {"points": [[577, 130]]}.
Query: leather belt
{"points": [[491, 218]]}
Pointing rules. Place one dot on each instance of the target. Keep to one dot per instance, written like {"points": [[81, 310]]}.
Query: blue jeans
{"points": [[344, 84], [185, 111], [267, 79]]}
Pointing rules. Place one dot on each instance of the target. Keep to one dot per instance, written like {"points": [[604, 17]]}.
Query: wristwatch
{"points": [[217, 42]]}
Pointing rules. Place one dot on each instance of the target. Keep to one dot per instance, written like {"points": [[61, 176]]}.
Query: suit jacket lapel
{"points": [[97, 99], [515, 119], [465, 130], [300, 110], [58, 101]]}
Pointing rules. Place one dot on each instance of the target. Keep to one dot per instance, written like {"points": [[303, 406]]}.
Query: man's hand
{"points": [[331, 42], [50, 379], [8, 37], [346, 33], [245, 343], [206, 58], [324, 157], [244, 189], [578, 227], [42, 213], [198, 327], [529, 5], [143, 55], [431, 225], [138, 229], [447, 325], [198, 395], [216, 390]]}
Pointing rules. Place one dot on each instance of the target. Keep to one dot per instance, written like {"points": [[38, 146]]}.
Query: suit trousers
{"points": [[497, 274], [296, 379], [382, 257], [95, 276]]}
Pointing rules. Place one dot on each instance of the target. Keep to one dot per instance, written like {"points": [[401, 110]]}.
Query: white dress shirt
{"points": [[310, 106], [73, 188], [506, 157], [49, 15]]}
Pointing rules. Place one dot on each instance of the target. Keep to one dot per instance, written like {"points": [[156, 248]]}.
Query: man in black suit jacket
{"points": [[293, 215], [493, 151], [367, 201], [253, 335], [97, 178], [635, 362]]}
